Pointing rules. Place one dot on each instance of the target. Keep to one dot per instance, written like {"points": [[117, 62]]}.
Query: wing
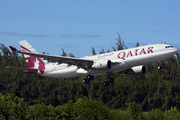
{"points": [[21, 68], [80, 62]]}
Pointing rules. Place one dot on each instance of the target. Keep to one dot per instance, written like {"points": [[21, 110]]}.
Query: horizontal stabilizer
{"points": [[13, 49], [22, 68]]}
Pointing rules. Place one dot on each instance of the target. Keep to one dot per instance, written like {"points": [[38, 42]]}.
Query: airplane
{"points": [[130, 60]]}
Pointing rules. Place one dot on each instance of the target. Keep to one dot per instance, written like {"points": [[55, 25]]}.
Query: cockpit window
{"points": [[169, 46]]}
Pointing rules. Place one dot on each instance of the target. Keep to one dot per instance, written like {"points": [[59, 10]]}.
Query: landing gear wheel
{"points": [[106, 83], [89, 77], [159, 67], [85, 81], [92, 78], [110, 80]]}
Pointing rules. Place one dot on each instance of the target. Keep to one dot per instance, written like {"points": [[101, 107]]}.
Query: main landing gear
{"points": [[109, 79], [89, 77], [105, 83]]}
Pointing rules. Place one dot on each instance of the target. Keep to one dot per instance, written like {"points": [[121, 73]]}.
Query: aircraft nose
{"points": [[175, 50]]}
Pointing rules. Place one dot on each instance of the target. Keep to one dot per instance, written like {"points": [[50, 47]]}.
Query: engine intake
{"points": [[102, 65], [137, 70]]}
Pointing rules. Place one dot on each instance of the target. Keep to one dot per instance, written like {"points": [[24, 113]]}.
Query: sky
{"points": [[78, 25]]}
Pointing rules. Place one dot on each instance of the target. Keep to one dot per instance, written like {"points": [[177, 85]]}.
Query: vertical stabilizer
{"points": [[32, 61], [26, 47]]}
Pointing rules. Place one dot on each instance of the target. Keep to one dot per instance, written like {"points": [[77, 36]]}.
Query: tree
{"points": [[64, 53], [137, 44], [120, 44], [12, 107], [101, 51], [108, 51], [93, 51], [71, 55]]}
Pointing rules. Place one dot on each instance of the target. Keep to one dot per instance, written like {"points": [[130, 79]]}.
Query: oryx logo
{"points": [[100, 64], [34, 62]]}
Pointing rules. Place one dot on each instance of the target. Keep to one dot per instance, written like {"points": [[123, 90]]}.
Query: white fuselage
{"points": [[124, 59]]}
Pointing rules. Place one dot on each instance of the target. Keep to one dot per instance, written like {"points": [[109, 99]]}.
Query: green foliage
{"points": [[120, 44], [137, 44], [172, 114], [101, 51], [133, 112], [41, 112], [71, 55], [64, 53], [155, 114], [93, 51], [91, 109], [12, 107]]}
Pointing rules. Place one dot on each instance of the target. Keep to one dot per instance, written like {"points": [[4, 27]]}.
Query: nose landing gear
{"points": [[159, 66]]}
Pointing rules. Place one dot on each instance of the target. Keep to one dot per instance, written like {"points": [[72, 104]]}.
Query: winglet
{"points": [[13, 49]]}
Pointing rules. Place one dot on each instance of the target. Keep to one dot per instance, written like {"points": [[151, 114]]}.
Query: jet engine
{"points": [[102, 65], [137, 70]]}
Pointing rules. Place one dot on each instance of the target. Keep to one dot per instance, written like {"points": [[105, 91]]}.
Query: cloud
{"points": [[35, 35], [88, 36], [99, 46], [53, 16], [66, 46], [24, 35], [65, 36], [60, 17], [161, 31], [9, 34]]}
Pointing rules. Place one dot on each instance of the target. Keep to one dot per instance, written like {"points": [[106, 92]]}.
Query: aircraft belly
{"points": [[163, 55], [118, 67], [68, 72]]}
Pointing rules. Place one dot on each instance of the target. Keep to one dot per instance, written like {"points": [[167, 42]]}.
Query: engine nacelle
{"points": [[102, 65], [137, 70]]}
